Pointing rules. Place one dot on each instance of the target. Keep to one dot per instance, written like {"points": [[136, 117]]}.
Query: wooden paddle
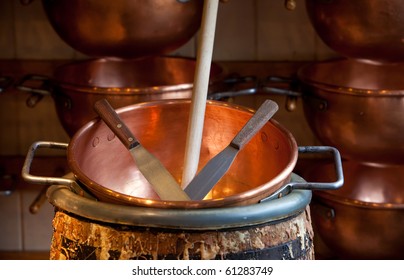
{"points": [[200, 90]]}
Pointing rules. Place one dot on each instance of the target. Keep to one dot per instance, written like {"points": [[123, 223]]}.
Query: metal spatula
{"points": [[152, 169], [211, 173]]}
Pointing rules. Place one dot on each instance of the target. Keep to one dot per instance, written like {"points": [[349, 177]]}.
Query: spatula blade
{"points": [[152, 169], [204, 181], [158, 176], [211, 173]]}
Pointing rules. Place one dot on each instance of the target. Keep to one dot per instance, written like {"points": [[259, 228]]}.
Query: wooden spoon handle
{"points": [[200, 91]]}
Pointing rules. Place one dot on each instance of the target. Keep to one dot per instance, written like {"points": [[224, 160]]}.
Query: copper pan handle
{"points": [[324, 211], [37, 92], [231, 93], [43, 180], [233, 86], [303, 185], [38, 201], [267, 86], [291, 93], [271, 80], [259, 86], [8, 184], [5, 82]]}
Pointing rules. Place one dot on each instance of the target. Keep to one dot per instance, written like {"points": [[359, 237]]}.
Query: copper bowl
{"points": [[356, 107], [364, 218], [100, 161], [370, 30], [123, 28]]}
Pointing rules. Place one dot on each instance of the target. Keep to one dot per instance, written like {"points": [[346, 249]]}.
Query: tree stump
{"points": [[75, 237]]}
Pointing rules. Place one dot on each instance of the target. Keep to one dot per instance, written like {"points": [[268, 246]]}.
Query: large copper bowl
{"points": [[76, 86], [356, 107], [124, 28], [364, 218], [370, 30], [100, 161]]}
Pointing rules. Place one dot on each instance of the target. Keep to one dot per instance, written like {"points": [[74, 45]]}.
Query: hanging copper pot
{"points": [[353, 106], [370, 30], [357, 108], [124, 28]]}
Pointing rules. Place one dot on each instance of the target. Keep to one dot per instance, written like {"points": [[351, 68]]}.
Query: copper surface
{"points": [[78, 85], [124, 28], [364, 218], [103, 164], [369, 30], [357, 108]]}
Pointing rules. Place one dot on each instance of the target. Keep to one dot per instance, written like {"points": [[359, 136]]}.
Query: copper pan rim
{"points": [[354, 91], [66, 76], [127, 90], [387, 78], [356, 203], [193, 219], [367, 185]]}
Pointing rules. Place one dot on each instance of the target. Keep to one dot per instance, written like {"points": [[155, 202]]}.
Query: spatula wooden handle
{"points": [[257, 121], [115, 123]]}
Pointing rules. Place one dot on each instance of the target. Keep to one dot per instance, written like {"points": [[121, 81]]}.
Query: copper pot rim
{"points": [[235, 217], [328, 197], [218, 73], [254, 194], [126, 90], [342, 88], [350, 198]]}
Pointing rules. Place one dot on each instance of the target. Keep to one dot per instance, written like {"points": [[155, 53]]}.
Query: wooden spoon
{"points": [[200, 90]]}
